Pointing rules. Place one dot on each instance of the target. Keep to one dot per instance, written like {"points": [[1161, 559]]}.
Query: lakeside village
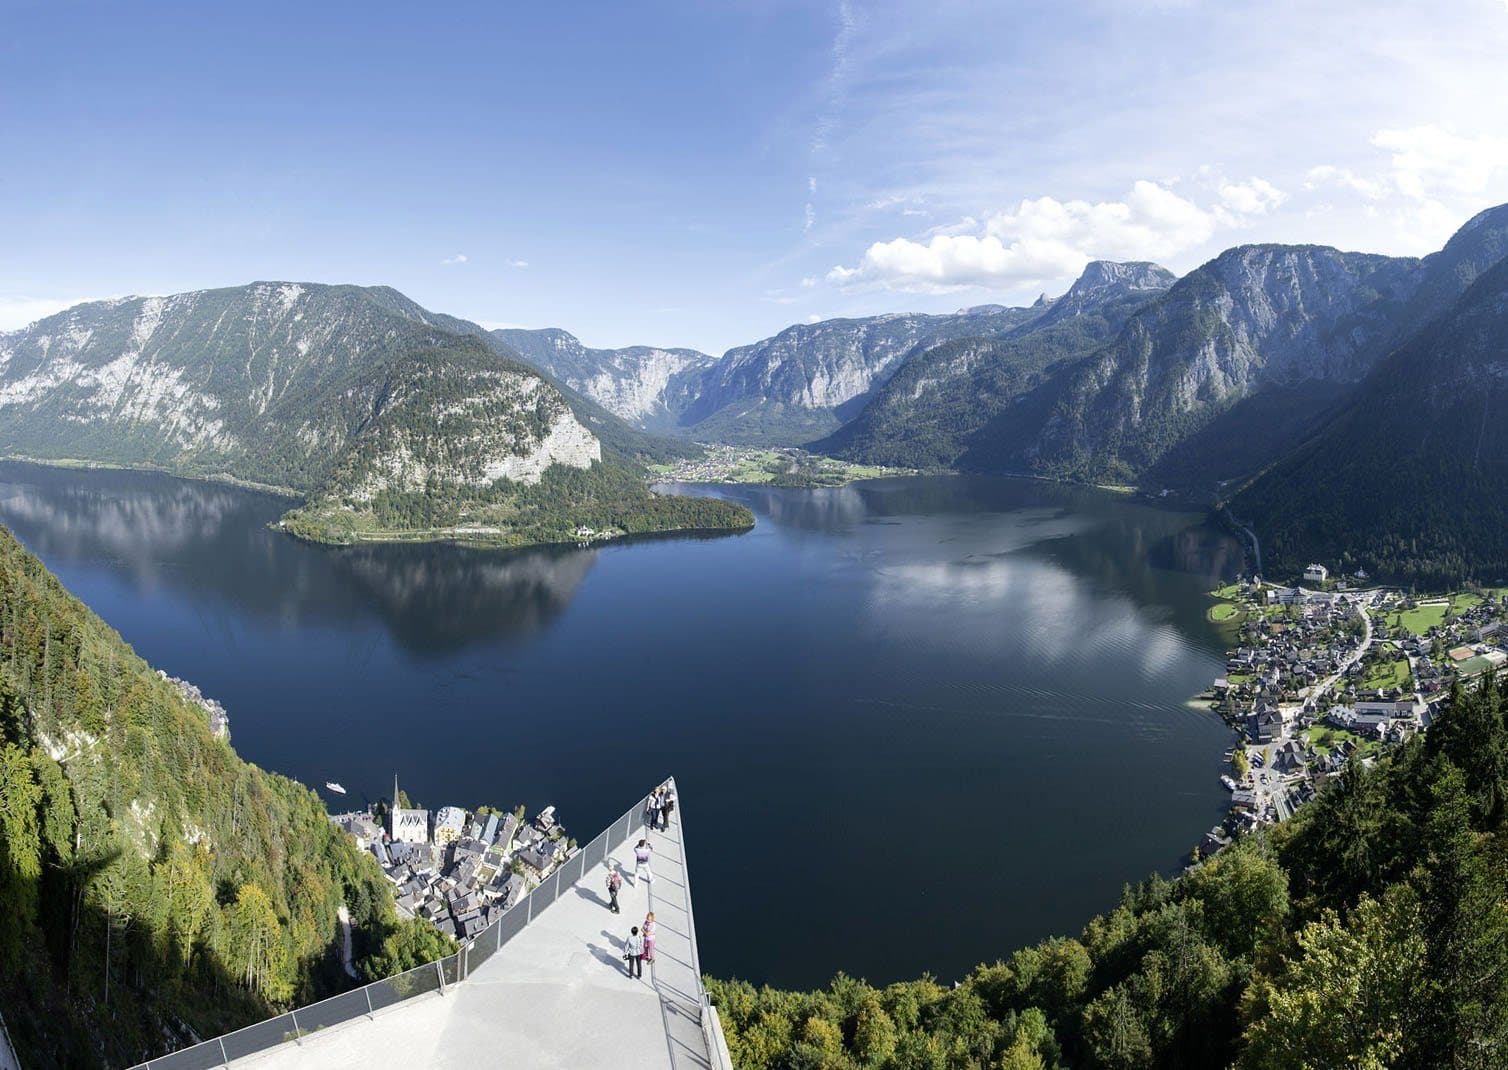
{"points": [[455, 868], [1326, 672]]}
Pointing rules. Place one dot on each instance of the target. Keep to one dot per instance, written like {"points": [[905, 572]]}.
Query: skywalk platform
{"points": [[554, 994]]}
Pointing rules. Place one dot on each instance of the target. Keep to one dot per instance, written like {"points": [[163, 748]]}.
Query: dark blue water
{"points": [[916, 722]]}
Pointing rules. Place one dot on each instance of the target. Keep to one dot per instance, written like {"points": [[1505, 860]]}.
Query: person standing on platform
{"points": [[614, 883], [633, 953], [649, 937], [641, 862]]}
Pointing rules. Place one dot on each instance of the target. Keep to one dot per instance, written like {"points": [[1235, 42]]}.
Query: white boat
{"points": [[335, 787], [1230, 785]]}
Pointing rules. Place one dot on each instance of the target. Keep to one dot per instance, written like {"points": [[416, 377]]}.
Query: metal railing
{"points": [[421, 980]]}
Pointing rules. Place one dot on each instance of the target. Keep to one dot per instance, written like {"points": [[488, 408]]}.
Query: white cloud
{"points": [[1328, 175], [1254, 197], [518, 264], [459, 258], [1047, 239], [18, 312], [1429, 162]]}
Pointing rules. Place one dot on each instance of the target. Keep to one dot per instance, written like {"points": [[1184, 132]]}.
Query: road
{"points": [[1328, 682]]}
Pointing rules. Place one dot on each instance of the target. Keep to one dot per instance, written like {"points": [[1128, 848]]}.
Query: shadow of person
{"points": [[593, 895], [609, 958], [617, 941]]}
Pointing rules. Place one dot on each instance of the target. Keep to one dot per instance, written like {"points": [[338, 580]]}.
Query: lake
{"points": [[916, 722]]}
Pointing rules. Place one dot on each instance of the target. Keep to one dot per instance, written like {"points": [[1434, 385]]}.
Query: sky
{"points": [[706, 173]]}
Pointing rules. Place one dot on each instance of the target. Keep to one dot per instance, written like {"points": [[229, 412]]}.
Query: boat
{"points": [[1230, 785], [335, 787]]}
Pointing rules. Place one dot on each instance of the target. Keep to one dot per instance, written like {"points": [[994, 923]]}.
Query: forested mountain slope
{"points": [[968, 402], [1410, 482], [154, 887], [1370, 930]]}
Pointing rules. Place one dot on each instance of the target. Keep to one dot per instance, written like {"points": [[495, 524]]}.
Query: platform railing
{"points": [[436, 976]]}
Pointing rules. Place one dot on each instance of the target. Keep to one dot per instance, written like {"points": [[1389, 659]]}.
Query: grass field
{"points": [[1419, 620], [1326, 738], [1222, 611], [1393, 673]]}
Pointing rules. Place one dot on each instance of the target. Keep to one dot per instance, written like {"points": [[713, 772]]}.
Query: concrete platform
{"points": [[556, 995]]}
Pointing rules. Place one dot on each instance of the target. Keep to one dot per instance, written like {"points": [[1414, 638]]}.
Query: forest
{"points": [[154, 887], [1369, 931]]}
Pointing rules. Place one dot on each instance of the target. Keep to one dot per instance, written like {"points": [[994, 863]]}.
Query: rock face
{"points": [[647, 386], [956, 403], [1261, 321], [808, 379], [1410, 481], [342, 390]]}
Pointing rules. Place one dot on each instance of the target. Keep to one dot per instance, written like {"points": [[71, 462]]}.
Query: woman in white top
{"points": [[641, 861]]}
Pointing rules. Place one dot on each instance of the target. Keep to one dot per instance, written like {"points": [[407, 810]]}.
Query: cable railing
{"points": [[432, 977]]}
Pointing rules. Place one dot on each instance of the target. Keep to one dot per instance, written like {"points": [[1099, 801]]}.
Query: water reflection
{"points": [[214, 541]]}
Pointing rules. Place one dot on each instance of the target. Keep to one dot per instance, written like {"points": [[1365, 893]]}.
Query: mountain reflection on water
{"points": [[216, 540], [957, 706]]}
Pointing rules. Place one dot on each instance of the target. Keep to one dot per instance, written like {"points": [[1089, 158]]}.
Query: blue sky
{"points": [[704, 174]]}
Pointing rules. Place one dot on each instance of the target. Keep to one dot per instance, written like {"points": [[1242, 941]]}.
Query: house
{"points": [[1316, 574], [449, 823], [489, 830], [1264, 724], [1290, 758], [1213, 840]]}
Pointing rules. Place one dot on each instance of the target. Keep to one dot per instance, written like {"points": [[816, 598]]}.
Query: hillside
{"points": [[967, 402], [381, 414], [1367, 931], [809, 379], [1410, 482], [154, 887]]}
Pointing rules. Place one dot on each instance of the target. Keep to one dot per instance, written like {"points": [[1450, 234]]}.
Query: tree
{"points": [[257, 949], [1350, 996], [20, 851]]}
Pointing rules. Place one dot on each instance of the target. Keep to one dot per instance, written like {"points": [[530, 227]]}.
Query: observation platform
{"points": [[544, 987]]}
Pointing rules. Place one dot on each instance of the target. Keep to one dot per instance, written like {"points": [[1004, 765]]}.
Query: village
{"points": [[1330, 671], [458, 869]]}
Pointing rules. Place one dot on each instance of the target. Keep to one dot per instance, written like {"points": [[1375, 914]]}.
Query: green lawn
{"points": [[1230, 592], [1223, 611], [1419, 620], [1465, 601], [1326, 738], [1389, 674]]}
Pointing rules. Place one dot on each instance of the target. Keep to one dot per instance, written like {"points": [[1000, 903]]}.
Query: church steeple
{"points": [[395, 791]]}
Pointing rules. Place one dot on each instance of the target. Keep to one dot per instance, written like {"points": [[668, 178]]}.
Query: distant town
{"points": [[455, 868], [1332, 670]]}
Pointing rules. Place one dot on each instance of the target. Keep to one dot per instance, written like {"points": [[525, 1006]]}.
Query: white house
{"points": [[1316, 574], [449, 822]]}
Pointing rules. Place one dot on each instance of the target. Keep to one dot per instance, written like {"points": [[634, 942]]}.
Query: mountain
{"points": [[1256, 317], [954, 403], [154, 887], [1410, 481], [809, 379], [1246, 355], [381, 414], [644, 385]]}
